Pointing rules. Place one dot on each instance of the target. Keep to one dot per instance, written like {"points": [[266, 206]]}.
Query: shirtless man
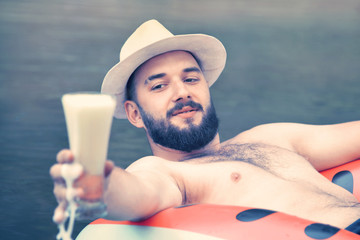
{"points": [[168, 95]]}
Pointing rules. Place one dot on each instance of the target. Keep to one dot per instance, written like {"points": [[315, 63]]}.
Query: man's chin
{"points": [[183, 134]]}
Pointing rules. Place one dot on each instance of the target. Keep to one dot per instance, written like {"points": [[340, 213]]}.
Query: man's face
{"points": [[174, 101]]}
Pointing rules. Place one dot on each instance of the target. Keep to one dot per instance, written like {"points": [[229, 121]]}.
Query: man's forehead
{"points": [[164, 57], [180, 60]]}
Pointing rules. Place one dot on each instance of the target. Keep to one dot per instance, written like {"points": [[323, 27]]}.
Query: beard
{"points": [[188, 139]]}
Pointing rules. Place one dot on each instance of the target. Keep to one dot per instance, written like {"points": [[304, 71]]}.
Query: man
{"points": [[162, 85]]}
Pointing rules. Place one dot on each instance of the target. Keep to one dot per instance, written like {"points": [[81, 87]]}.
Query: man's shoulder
{"points": [[278, 134], [147, 163], [254, 134]]}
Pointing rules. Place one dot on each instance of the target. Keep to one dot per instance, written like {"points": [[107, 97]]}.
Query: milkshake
{"points": [[88, 120]]}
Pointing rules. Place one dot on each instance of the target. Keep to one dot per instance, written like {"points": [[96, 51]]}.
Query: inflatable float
{"points": [[210, 222]]}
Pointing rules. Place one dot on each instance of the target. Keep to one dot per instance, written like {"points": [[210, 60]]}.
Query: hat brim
{"points": [[208, 50]]}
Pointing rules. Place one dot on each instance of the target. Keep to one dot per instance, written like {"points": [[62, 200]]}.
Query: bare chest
{"points": [[257, 157], [262, 176], [238, 174]]}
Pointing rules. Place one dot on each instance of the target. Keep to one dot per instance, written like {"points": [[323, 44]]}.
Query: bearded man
{"points": [[162, 85]]}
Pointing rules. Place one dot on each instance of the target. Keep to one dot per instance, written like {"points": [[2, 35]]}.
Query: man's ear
{"points": [[133, 114]]}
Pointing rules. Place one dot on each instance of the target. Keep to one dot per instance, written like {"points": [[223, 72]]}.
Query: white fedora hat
{"points": [[152, 39]]}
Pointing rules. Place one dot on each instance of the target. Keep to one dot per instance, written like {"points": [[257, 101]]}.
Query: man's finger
{"points": [[109, 166], [60, 193], [55, 173], [59, 213], [65, 156]]}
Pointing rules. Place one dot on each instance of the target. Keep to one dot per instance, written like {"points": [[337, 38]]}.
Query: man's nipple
{"points": [[235, 177]]}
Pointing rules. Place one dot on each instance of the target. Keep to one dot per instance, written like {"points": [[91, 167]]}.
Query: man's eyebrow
{"points": [[192, 69], [155, 76], [161, 75]]}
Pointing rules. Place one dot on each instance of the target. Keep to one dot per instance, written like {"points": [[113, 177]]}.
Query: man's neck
{"points": [[176, 155]]}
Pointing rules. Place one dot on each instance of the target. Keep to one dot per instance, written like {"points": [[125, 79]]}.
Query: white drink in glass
{"points": [[88, 120]]}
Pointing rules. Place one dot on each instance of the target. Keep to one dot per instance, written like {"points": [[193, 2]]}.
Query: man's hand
{"points": [[66, 157]]}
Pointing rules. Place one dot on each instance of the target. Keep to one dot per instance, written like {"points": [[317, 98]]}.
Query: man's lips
{"points": [[186, 109]]}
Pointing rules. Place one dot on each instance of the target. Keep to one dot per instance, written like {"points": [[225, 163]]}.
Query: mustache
{"points": [[181, 105]]}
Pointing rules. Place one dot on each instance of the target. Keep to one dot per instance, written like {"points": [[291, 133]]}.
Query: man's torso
{"points": [[262, 176]]}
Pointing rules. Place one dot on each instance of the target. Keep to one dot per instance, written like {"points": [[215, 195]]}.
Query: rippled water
{"points": [[296, 62]]}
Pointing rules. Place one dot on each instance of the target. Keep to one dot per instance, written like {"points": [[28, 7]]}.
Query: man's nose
{"points": [[181, 92]]}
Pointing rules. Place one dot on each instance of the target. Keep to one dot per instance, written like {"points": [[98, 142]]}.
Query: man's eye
{"points": [[190, 80], [157, 87]]}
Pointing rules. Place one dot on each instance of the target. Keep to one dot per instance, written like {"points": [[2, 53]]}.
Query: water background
{"points": [[288, 60]]}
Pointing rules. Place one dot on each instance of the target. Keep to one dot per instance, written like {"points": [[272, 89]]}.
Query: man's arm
{"points": [[141, 190], [325, 146]]}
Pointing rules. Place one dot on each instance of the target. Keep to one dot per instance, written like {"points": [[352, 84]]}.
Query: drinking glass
{"points": [[88, 118]]}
